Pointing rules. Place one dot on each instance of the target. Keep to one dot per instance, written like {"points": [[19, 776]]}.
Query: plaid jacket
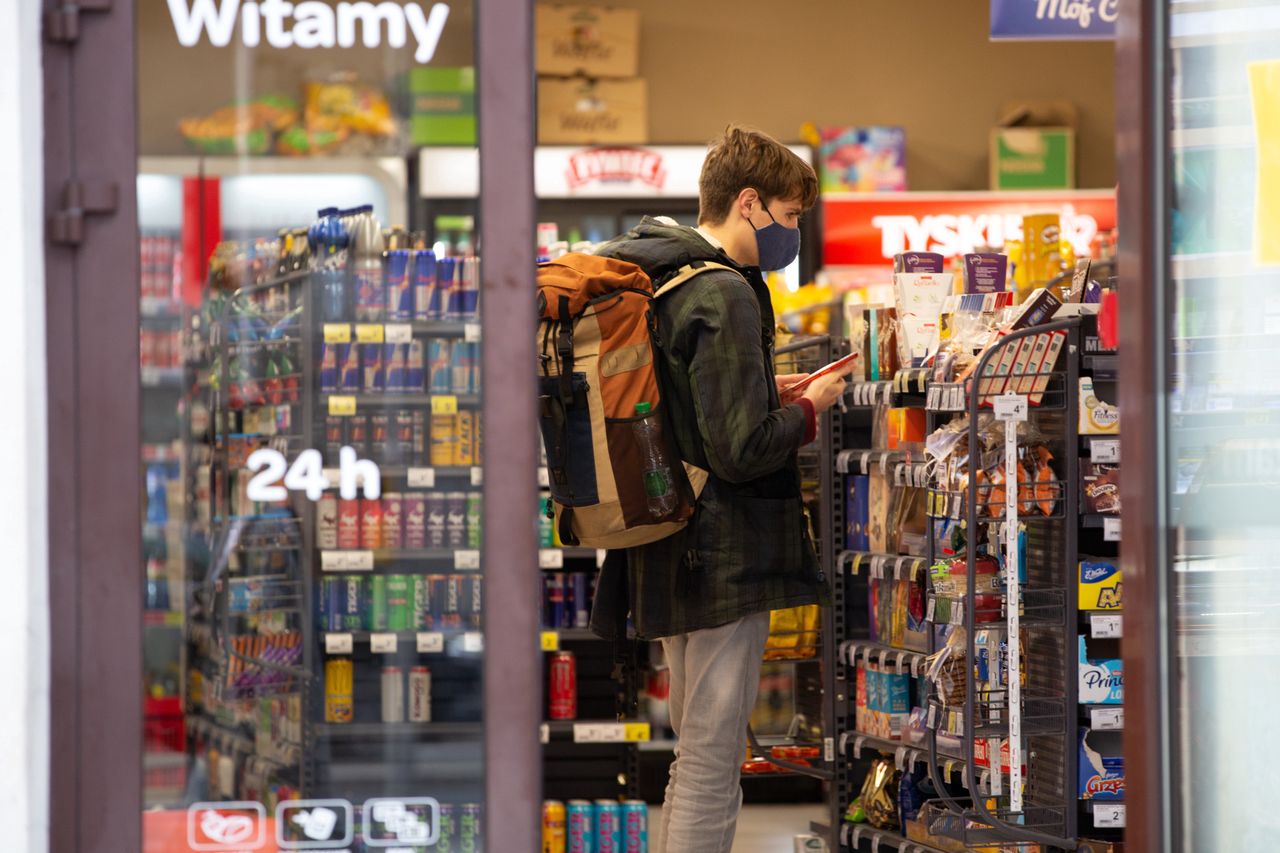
{"points": [[748, 548]]}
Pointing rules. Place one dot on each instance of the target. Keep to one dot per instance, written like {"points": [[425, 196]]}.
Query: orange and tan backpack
{"points": [[597, 355]]}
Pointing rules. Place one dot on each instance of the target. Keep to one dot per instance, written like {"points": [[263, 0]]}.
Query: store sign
{"points": [[1054, 19], [615, 166], [868, 229], [309, 24]]}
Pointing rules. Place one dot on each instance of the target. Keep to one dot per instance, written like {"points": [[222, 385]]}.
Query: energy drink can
{"points": [[475, 519], [399, 291], [581, 607], [373, 376], [476, 619], [392, 520], [423, 617], [464, 424], [453, 595], [469, 290], [420, 695], [352, 609], [338, 698], [395, 359], [608, 827], [358, 434], [562, 689], [415, 520], [331, 604], [546, 535], [370, 523], [444, 440], [447, 840], [349, 373], [455, 523], [392, 694], [415, 368], [418, 454], [439, 585], [553, 614], [553, 827], [335, 434], [327, 522], [348, 524], [466, 604], [439, 366], [635, 826], [446, 282], [379, 426], [437, 511], [378, 603], [398, 606], [471, 828], [460, 367], [580, 823], [424, 286], [400, 446], [329, 368]]}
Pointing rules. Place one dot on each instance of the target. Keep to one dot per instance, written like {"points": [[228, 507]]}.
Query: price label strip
{"points": [[338, 644], [382, 644], [1011, 409], [398, 333], [1105, 626], [551, 641], [421, 478], [369, 333], [342, 405], [337, 333], [444, 404], [610, 732], [466, 561], [430, 642], [551, 558], [346, 561]]}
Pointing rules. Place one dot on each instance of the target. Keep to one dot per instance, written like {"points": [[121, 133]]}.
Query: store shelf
{"points": [[853, 834], [1105, 815], [366, 559], [878, 565], [905, 754], [886, 657], [595, 731], [392, 642], [551, 639], [402, 731], [554, 559], [378, 401]]}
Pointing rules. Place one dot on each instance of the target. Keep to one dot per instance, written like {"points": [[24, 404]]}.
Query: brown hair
{"points": [[748, 158]]}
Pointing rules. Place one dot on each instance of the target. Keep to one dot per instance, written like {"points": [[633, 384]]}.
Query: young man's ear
{"points": [[747, 198]]}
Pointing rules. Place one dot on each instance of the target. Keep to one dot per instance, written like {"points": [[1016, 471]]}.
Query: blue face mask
{"points": [[777, 244]]}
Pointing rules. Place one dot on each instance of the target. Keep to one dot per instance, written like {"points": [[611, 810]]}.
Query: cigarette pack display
{"points": [[996, 374], [1027, 381], [1101, 585], [1042, 370], [1101, 766], [1021, 361], [1101, 680]]}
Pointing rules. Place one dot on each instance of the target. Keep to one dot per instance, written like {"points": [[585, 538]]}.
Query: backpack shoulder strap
{"points": [[688, 273]]}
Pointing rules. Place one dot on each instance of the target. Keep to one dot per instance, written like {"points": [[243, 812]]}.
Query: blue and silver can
{"points": [[579, 827], [351, 607], [446, 284], [426, 300], [439, 366], [608, 826], [581, 606], [331, 605], [399, 293], [635, 826]]}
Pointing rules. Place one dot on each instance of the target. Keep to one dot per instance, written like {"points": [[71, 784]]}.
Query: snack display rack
{"points": [[960, 739]]}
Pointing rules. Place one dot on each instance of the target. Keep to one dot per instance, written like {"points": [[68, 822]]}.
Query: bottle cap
{"points": [[642, 408]]}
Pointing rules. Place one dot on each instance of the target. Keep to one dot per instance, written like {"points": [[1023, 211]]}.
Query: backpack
{"points": [[598, 356]]}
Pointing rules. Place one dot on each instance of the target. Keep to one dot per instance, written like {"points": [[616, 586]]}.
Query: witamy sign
{"points": [[309, 24], [1054, 19]]}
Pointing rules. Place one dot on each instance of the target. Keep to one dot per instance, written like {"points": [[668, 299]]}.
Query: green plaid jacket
{"points": [[748, 548]]}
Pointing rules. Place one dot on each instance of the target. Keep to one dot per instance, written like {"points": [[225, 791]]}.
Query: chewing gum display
{"points": [[1101, 585], [920, 297], [985, 272], [913, 262], [1096, 417]]}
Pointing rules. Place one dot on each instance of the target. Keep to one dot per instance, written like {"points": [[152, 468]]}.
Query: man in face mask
{"points": [[706, 592]]}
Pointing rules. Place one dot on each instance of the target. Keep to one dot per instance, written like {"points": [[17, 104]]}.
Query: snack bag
{"points": [[344, 103]]}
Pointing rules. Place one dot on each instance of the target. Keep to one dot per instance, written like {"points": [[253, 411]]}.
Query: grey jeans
{"points": [[715, 675]]}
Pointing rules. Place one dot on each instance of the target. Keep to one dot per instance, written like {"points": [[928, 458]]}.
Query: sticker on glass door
{"points": [[392, 822], [314, 824], [226, 826]]}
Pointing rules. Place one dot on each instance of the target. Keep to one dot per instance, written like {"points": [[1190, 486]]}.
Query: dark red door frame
{"points": [[95, 565], [1142, 99]]}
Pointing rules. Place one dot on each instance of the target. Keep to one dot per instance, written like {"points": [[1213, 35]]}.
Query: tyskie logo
{"points": [[309, 24]]}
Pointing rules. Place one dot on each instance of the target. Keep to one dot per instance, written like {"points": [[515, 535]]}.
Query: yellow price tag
{"points": [[550, 641], [369, 333], [636, 732], [444, 405], [337, 333], [342, 405]]}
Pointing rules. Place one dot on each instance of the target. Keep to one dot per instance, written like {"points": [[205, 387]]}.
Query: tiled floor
{"points": [[761, 829]]}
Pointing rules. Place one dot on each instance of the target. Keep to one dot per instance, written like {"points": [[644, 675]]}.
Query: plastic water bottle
{"points": [[329, 241], [658, 487]]}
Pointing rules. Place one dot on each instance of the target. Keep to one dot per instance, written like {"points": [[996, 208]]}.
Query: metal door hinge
{"points": [[80, 198], [62, 21]]}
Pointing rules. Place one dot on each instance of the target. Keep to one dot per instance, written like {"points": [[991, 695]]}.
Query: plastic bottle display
{"points": [[657, 471], [329, 240], [367, 248]]}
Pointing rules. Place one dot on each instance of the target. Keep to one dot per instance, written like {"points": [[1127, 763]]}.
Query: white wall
{"points": [[24, 630]]}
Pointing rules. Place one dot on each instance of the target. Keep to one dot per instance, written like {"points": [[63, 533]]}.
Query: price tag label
{"points": [[477, 476], [1011, 407], [332, 477], [1106, 718], [382, 644], [544, 733], [430, 642], [422, 478], [1105, 450], [551, 558], [1108, 816], [933, 603], [957, 613], [369, 333], [471, 333], [398, 333], [342, 405], [544, 478], [466, 561], [600, 732], [337, 333], [444, 404], [1105, 626], [551, 641], [473, 641], [1111, 529], [829, 749], [636, 732], [338, 644], [346, 561]]}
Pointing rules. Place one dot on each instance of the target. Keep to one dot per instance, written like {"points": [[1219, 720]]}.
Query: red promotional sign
{"points": [[868, 229]]}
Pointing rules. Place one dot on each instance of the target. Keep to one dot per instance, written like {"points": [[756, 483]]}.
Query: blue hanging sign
{"points": [[1061, 20]]}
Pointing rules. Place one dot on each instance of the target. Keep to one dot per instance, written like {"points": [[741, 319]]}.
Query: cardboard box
{"points": [[1101, 680], [1101, 586], [1033, 147], [591, 40], [1101, 766], [578, 111], [443, 106]]}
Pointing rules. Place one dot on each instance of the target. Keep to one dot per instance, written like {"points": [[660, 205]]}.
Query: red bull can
{"points": [[329, 368], [608, 827], [446, 284], [460, 363], [469, 290], [399, 292], [373, 370], [439, 366], [349, 373], [395, 359], [358, 434], [415, 368], [635, 826], [426, 299], [580, 822]]}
